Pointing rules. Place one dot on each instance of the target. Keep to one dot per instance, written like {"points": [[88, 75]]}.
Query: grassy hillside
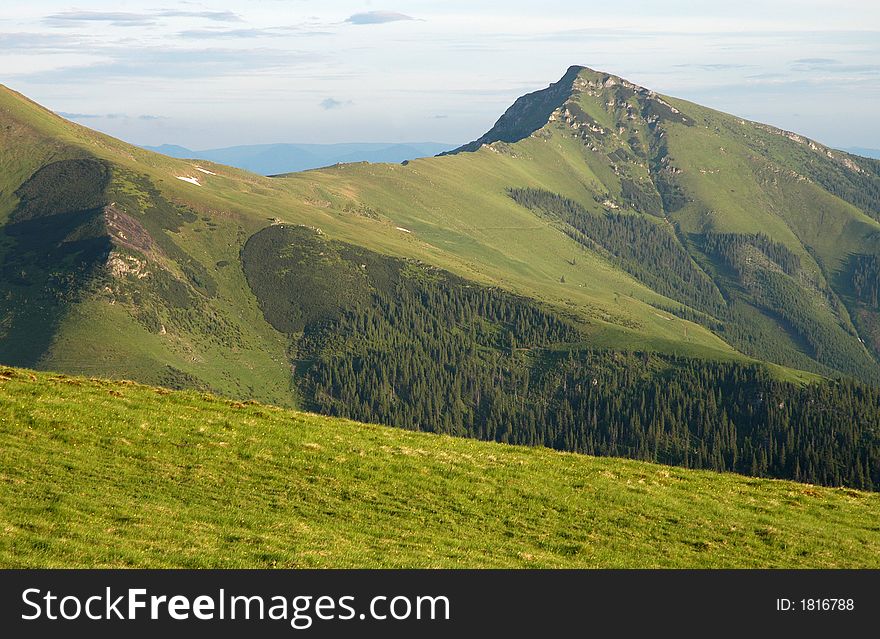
{"points": [[599, 274], [99, 473], [697, 173], [499, 245], [614, 148], [157, 304], [452, 212], [396, 342]]}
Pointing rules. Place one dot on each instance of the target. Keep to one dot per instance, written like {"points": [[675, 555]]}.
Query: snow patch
{"points": [[206, 171], [191, 180], [400, 228]]}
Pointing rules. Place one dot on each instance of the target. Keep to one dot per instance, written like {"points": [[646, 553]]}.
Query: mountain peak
{"points": [[534, 110], [529, 113]]}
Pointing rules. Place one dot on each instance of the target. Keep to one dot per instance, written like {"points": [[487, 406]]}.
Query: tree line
{"points": [[429, 351], [640, 246]]}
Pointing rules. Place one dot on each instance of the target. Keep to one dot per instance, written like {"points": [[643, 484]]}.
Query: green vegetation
{"points": [[766, 275], [865, 279], [63, 187], [129, 286], [861, 283], [54, 245], [176, 296], [600, 231], [856, 181], [642, 247], [418, 348], [754, 276], [734, 249], [114, 474]]}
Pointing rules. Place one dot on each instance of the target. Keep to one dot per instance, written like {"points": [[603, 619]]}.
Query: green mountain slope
{"points": [[600, 241], [115, 474]]}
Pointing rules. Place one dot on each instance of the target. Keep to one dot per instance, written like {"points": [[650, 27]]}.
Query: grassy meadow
{"points": [[96, 473]]}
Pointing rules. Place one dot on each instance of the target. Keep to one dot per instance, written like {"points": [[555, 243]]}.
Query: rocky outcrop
{"points": [[528, 114], [558, 102]]}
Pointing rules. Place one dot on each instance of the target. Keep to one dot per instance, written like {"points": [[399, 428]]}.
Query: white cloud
{"points": [[377, 17], [132, 19], [332, 103]]}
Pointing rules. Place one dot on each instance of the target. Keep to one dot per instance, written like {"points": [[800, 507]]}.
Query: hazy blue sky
{"points": [[224, 72]]}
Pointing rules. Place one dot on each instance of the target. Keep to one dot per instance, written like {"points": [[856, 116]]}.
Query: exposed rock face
{"points": [[840, 158], [121, 266], [528, 114], [557, 102], [127, 231]]}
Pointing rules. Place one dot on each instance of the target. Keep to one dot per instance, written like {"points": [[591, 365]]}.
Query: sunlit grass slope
{"points": [[98, 473]]}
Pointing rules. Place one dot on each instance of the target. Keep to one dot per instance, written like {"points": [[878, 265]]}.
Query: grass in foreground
{"points": [[113, 474]]}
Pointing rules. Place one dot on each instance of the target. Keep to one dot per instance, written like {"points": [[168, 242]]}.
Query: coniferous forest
{"points": [[641, 246], [758, 297], [419, 348], [866, 279]]}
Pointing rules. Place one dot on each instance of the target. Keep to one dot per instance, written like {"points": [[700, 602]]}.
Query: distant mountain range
{"points": [[274, 159], [867, 153]]}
